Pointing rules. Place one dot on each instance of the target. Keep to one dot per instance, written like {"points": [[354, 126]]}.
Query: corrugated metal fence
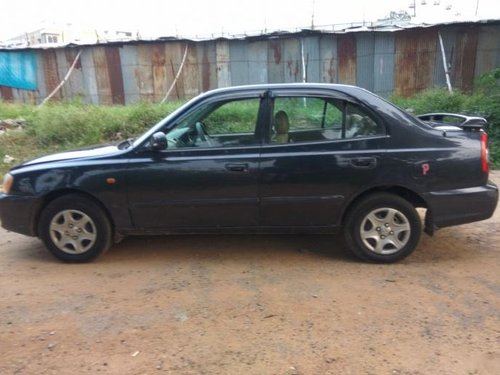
{"points": [[402, 62]]}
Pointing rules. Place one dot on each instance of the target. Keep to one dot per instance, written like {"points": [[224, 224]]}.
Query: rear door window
{"points": [[315, 119]]}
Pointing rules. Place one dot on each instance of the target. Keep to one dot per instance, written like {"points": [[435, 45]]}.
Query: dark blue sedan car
{"points": [[266, 158]]}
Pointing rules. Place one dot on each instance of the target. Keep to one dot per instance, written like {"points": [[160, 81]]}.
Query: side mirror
{"points": [[158, 141]]}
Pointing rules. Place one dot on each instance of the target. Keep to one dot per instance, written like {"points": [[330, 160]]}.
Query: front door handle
{"points": [[237, 167], [365, 163]]}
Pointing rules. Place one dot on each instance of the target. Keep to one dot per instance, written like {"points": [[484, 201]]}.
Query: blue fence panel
{"points": [[18, 69]]}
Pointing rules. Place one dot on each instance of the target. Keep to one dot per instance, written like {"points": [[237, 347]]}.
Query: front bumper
{"points": [[17, 213], [460, 206]]}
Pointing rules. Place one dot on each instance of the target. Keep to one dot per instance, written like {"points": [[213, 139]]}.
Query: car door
{"points": [[333, 149], [207, 177]]}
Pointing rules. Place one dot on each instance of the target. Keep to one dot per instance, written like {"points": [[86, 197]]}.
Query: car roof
{"points": [[348, 89]]}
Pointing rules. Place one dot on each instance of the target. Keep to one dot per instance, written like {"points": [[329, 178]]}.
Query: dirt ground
{"points": [[253, 305]]}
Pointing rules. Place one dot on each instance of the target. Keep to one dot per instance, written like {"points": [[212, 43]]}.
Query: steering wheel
{"points": [[202, 133]]}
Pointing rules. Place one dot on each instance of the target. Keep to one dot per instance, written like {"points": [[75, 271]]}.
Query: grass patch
{"points": [[62, 126]]}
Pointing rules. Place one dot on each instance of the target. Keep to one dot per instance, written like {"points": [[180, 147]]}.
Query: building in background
{"points": [[53, 35]]}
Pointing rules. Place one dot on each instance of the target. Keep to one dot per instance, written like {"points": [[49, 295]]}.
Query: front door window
{"points": [[220, 124]]}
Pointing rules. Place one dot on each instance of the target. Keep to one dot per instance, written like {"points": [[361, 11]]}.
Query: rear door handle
{"points": [[237, 167], [365, 163]]}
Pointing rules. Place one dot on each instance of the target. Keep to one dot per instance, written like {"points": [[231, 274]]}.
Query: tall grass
{"points": [[62, 126]]}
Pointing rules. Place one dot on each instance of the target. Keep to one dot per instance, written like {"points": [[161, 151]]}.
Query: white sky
{"points": [[206, 17]]}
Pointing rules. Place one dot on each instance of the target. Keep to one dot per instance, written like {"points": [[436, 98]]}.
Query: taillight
{"points": [[484, 153]]}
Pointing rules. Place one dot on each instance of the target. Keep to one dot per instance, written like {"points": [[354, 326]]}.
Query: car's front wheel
{"points": [[383, 228], [74, 228]]}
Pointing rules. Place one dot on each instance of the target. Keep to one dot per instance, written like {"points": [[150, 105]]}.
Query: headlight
{"points": [[7, 183]]}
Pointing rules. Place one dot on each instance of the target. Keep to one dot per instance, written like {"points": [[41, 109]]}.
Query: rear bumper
{"points": [[17, 214], [461, 206]]}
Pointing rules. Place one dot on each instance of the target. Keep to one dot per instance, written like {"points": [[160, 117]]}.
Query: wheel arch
{"points": [[409, 195], [63, 192]]}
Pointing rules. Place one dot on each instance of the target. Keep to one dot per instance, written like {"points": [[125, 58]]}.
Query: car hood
{"points": [[75, 154]]}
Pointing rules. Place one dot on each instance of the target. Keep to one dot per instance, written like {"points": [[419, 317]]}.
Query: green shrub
{"points": [[484, 102], [62, 126], [435, 100]]}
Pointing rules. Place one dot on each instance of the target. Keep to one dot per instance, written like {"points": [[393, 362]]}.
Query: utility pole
{"points": [[414, 6], [312, 16]]}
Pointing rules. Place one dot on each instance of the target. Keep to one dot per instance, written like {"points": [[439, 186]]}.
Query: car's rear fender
{"points": [[409, 195]]}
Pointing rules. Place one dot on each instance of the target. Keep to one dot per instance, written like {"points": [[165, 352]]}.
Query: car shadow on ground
{"points": [[244, 247], [448, 245]]}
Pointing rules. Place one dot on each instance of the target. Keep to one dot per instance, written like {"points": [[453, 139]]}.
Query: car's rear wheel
{"points": [[383, 228], [74, 228]]}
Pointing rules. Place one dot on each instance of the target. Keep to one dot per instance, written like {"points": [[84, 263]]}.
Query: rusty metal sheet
{"points": [[257, 62], [406, 58], [347, 58], [75, 81], [415, 58], [102, 75], [6, 94], [312, 58], [328, 56], [30, 97], [292, 60], [427, 43], [239, 62], [375, 62], [275, 71], [448, 35], [73, 86], [207, 65], [159, 66], [50, 72], [128, 58], [365, 59], [144, 72], [174, 52], [465, 58], [190, 72], [40, 77], [115, 75], [488, 50], [89, 76], [18, 95], [62, 68], [383, 65], [223, 58]]}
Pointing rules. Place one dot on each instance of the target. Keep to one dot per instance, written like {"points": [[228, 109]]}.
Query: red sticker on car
{"points": [[425, 168]]}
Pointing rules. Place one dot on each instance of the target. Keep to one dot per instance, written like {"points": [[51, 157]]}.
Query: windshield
{"points": [[159, 126]]}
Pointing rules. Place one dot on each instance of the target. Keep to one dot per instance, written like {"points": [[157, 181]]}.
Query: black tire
{"points": [[75, 229], [382, 228]]}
